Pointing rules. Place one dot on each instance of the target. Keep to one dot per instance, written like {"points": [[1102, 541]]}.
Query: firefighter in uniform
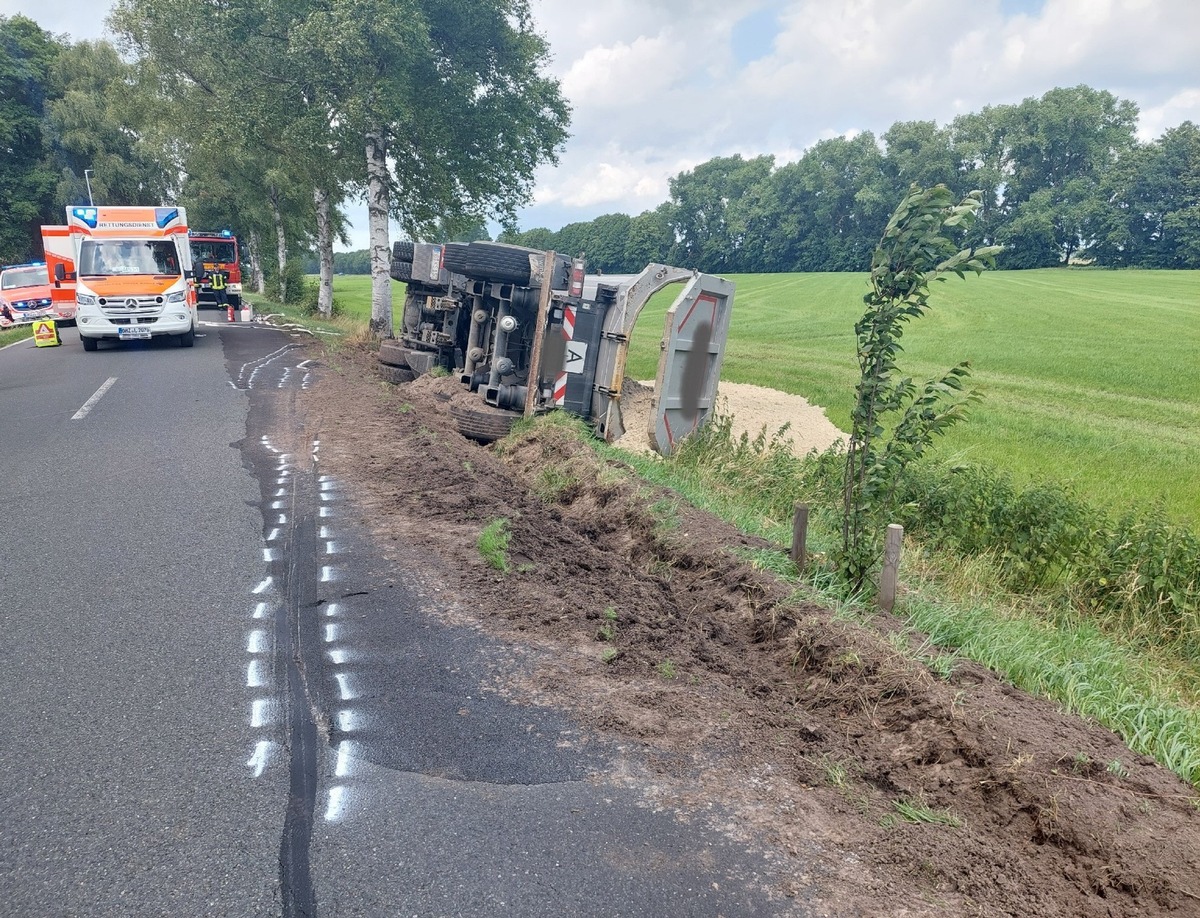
{"points": [[217, 280]]}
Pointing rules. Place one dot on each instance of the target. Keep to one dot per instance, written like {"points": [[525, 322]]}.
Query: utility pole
{"points": [[86, 173]]}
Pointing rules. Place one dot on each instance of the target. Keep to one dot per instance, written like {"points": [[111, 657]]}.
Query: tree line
{"points": [[1064, 180], [267, 116]]}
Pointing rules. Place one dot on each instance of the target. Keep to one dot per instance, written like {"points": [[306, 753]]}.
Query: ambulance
{"points": [[25, 295], [129, 270]]}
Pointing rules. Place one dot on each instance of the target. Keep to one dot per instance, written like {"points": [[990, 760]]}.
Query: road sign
{"points": [[45, 334]]}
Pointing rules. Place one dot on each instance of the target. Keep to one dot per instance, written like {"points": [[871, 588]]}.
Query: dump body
{"points": [[132, 272]]}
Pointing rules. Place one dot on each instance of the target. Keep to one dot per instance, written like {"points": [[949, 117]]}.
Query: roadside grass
{"points": [[1089, 377], [13, 335]]}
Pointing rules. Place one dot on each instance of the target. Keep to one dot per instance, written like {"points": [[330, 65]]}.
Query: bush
{"points": [[296, 283]]}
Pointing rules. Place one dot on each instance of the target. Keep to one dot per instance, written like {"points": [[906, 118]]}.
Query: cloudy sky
{"points": [[659, 86]]}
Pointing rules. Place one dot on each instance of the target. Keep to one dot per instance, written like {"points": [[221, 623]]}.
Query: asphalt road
{"points": [[218, 700]]}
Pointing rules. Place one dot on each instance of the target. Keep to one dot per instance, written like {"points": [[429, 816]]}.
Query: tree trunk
{"points": [[377, 221], [280, 244], [324, 253], [257, 281]]}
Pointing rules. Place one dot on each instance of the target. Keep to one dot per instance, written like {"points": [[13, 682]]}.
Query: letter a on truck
{"points": [[131, 268]]}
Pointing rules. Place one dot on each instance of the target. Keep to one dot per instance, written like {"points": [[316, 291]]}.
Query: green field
{"points": [[1089, 377]]}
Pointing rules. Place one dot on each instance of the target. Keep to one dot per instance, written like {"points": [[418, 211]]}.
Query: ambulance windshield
{"points": [[128, 257]]}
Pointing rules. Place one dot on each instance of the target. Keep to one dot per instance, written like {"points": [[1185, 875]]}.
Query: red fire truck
{"points": [[217, 251]]}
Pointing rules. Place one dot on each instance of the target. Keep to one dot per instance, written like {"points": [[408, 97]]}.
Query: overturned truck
{"points": [[530, 331]]}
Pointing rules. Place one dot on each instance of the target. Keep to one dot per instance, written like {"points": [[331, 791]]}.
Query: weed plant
{"points": [[493, 544]]}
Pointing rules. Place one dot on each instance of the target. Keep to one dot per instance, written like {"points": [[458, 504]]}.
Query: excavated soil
{"points": [[648, 624]]}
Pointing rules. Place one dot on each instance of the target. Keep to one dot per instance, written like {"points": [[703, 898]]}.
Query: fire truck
{"points": [[217, 251]]}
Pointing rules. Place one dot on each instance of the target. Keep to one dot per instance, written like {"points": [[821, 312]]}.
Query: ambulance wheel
{"points": [[89, 344], [187, 339]]}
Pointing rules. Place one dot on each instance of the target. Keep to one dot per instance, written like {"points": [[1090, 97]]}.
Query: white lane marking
{"points": [[256, 675], [344, 686], [91, 402], [338, 657], [259, 712], [342, 769], [333, 609], [257, 642], [262, 587], [258, 761], [337, 803]]}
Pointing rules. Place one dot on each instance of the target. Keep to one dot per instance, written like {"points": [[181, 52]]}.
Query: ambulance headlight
{"points": [[176, 297], [85, 299]]}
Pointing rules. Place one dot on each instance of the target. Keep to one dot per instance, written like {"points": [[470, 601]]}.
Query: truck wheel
{"points": [[483, 426], [89, 344], [391, 352], [402, 251], [188, 338], [498, 261], [395, 375], [401, 270], [454, 257]]}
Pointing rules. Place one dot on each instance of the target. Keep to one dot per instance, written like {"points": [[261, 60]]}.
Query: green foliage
{"points": [[298, 291], [912, 253], [1139, 574], [493, 544], [27, 175], [918, 811]]}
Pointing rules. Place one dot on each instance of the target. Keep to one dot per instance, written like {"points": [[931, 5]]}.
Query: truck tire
{"points": [[402, 251], [498, 261], [401, 270], [454, 257], [89, 344], [188, 338], [483, 426], [391, 352], [395, 375]]}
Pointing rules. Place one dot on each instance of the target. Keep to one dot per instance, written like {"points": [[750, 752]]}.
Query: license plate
{"points": [[133, 331]]}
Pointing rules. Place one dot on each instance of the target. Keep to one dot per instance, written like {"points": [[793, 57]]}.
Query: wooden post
{"points": [[891, 567], [800, 536]]}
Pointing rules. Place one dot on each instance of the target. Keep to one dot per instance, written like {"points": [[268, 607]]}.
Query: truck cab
{"points": [[217, 252]]}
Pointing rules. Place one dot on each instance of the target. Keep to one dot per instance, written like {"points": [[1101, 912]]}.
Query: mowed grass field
{"points": [[1090, 378]]}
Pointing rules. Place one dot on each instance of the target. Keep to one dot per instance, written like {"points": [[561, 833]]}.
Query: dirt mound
{"points": [[887, 778]]}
